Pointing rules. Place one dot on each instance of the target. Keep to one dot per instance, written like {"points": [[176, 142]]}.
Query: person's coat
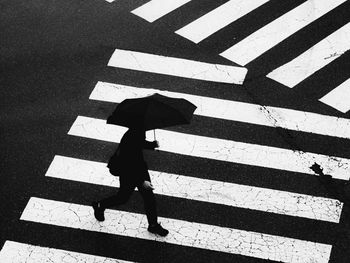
{"points": [[128, 161]]}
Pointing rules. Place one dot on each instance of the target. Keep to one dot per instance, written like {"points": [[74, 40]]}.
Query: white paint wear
{"points": [[218, 19], [182, 233], [223, 193], [177, 67], [155, 9], [15, 252], [315, 58], [220, 149], [236, 111], [278, 30], [339, 98]]}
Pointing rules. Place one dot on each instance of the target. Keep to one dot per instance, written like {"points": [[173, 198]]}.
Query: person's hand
{"points": [[147, 185], [156, 144]]}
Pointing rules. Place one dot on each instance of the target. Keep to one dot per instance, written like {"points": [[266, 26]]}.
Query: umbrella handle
{"points": [[155, 139]]}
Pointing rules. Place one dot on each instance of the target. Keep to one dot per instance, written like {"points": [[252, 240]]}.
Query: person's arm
{"points": [[145, 179], [150, 145], [148, 185]]}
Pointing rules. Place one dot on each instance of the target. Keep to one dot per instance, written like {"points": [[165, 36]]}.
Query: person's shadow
{"points": [[340, 190]]}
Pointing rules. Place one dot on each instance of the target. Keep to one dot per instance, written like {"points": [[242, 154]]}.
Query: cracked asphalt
{"points": [[52, 54]]}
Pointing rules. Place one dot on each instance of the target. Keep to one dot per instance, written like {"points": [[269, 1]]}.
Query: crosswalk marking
{"points": [[312, 60], [177, 67], [220, 149], [155, 9], [15, 252], [278, 30], [184, 233], [236, 111], [339, 98], [192, 234], [224, 193], [218, 19]]}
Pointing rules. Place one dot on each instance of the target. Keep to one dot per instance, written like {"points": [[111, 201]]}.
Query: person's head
{"points": [[138, 125]]}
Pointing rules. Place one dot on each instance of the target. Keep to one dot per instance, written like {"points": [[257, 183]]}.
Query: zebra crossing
{"points": [[211, 191], [270, 35], [220, 149], [187, 233], [256, 44], [154, 10], [235, 110], [208, 24], [177, 67], [210, 237], [19, 252], [313, 59], [339, 98]]}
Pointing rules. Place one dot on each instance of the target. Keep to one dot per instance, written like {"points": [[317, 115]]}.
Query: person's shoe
{"points": [[158, 229], [98, 211]]}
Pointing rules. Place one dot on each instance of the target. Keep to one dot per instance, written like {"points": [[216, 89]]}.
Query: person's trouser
{"points": [[125, 191]]}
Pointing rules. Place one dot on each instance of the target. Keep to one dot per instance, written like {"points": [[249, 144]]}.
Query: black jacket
{"points": [[128, 160]]}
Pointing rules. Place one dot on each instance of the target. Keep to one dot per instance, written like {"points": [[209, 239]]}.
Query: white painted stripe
{"points": [[223, 193], [182, 233], [15, 252], [236, 111], [278, 30], [155, 9], [220, 149], [177, 67], [339, 98], [218, 19], [315, 58]]}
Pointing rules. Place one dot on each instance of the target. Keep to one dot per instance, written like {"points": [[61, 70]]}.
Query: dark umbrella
{"points": [[152, 112]]}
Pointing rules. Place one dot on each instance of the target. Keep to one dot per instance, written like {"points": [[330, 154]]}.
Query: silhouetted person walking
{"points": [[129, 164]]}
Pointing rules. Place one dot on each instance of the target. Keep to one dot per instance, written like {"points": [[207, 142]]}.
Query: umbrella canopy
{"points": [[152, 112]]}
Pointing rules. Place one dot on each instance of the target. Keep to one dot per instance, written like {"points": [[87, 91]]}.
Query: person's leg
{"points": [[120, 198], [151, 211], [123, 195], [150, 204]]}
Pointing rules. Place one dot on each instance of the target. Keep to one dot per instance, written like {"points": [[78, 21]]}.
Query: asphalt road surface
{"points": [[270, 82]]}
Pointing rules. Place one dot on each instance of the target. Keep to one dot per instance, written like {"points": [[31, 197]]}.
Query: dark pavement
{"points": [[52, 53]]}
